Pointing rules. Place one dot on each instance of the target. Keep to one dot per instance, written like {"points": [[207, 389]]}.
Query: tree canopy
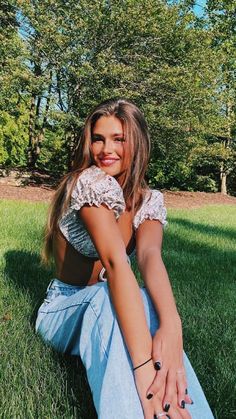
{"points": [[60, 58]]}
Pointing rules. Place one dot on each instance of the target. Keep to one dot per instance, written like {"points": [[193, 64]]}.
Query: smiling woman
{"points": [[109, 146], [129, 339]]}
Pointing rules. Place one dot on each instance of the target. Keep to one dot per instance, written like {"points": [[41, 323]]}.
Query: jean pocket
{"points": [[51, 294]]}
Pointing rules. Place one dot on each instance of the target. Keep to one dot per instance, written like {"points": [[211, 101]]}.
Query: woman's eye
{"points": [[121, 139], [95, 139]]}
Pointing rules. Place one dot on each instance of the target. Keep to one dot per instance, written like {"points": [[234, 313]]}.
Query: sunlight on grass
{"points": [[200, 255]]}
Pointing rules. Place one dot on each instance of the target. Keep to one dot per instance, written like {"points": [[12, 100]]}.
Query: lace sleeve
{"points": [[95, 187], [152, 209]]}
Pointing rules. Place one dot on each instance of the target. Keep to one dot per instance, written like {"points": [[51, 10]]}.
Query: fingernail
{"points": [[167, 406], [192, 402], [186, 391], [182, 404], [157, 365], [168, 417], [149, 396]]}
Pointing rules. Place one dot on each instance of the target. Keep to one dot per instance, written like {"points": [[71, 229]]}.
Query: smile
{"points": [[108, 162]]}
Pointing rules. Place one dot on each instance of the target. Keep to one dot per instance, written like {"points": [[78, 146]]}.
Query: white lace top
{"points": [[95, 187]]}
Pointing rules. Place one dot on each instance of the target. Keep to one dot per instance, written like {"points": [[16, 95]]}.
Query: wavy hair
{"points": [[133, 183]]}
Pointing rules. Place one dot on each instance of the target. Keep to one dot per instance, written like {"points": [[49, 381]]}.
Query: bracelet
{"points": [[142, 364]]}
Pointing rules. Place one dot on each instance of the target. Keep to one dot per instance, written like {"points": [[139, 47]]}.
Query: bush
{"points": [[13, 140], [206, 184]]}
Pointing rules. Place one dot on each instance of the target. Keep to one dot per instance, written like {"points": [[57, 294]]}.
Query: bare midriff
{"points": [[72, 267]]}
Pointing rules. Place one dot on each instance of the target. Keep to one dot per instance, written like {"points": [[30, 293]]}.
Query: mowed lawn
{"points": [[200, 255]]}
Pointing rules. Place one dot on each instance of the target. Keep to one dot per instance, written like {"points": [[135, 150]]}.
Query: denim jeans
{"points": [[81, 321]]}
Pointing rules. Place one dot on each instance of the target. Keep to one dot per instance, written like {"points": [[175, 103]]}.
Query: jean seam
{"points": [[63, 308], [102, 340], [95, 314]]}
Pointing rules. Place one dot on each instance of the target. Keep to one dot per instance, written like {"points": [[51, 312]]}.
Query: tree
{"points": [[13, 79], [223, 25], [71, 55]]}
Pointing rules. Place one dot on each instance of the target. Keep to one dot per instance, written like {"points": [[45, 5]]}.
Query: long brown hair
{"points": [[133, 183]]}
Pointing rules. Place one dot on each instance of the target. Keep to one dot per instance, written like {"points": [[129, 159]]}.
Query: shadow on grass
{"points": [[225, 233], [26, 272], [208, 274], [203, 276]]}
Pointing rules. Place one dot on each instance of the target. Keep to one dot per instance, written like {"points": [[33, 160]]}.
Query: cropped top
{"points": [[95, 187]]}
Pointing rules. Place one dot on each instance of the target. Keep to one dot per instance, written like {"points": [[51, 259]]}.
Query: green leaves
{"points": [[67, 56]]}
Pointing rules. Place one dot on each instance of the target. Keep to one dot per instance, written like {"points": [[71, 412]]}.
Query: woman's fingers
{"points": [[188, 399], [148, 411], [158, 410], [158, 383], [181, 387], [152, 407], [156, 355], [159, 379], [173, 414], [178, 413], [170, 390]]}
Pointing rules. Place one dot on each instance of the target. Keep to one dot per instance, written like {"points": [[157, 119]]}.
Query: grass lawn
{"points": [[200, 255]]}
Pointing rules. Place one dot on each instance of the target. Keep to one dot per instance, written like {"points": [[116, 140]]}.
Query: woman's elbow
{"points": [[114, 262], [147, 255]]}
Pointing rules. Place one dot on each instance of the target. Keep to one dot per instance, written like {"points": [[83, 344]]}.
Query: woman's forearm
{"points": [[128, 304], [158, 285]]}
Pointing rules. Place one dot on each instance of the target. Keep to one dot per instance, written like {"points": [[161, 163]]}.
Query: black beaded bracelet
{"points": [[142, 364]]}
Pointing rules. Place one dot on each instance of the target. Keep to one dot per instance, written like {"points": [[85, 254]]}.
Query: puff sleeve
{"points": [[95, 187], [152, 208]]}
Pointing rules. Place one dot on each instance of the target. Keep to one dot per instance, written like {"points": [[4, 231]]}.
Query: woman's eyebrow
{"points": [[117, 134]]}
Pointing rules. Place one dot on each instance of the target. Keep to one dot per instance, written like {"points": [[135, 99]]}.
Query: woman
{"points": [[102, 213]]}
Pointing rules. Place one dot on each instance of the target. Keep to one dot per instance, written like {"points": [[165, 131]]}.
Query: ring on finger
{"points": [[160, 415]]}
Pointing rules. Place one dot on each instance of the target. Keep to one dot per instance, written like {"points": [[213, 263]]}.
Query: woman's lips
{"points": [[108, 162]]}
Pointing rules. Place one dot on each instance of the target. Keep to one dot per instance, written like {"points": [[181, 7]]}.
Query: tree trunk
{"points": [[227, 144], [37, 132], [223, 179], [41, 133], [31, 143]]}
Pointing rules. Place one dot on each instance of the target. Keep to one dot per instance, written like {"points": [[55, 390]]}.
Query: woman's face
{"points": [[108, 145]]}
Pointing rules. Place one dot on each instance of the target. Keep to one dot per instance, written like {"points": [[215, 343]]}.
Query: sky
{"points": [[198, 9]]}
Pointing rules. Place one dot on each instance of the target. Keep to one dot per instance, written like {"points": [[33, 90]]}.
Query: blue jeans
{"points": [[81, 321]]}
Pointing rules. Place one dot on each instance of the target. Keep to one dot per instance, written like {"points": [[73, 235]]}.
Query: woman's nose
{"points": [[107, 146]]}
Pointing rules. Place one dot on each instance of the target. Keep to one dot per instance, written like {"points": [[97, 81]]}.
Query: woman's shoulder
{"points": [[96, 187], [152, 208]]}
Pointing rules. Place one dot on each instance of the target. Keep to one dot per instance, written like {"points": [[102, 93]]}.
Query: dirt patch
{"points": [[183, 199], [178, 199], [26, 193]]}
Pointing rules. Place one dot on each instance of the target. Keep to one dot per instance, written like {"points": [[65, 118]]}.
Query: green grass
{"points": [[200, 255]]}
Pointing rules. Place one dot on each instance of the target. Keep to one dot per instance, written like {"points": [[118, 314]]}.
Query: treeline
{"points": [[59, 58]]}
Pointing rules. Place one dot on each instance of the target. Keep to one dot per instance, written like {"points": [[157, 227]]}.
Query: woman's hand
{"points": [[167, 355], [153, 406]]}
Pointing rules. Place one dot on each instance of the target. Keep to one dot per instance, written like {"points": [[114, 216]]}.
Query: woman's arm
{"points": [[124, 290], [167, 342], [148, 248], [126, 297]]}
